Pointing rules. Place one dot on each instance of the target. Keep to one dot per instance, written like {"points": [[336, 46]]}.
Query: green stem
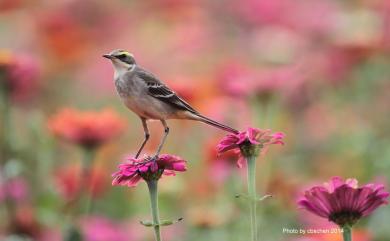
{"points": [[86, 172], [347, 233], [5, 144], [6, 124], [251, 164], [152, 185]]}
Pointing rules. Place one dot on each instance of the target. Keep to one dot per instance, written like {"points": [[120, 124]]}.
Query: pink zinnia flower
{"points": [[253, 137], [99, 228], [236, 79], [15, 189], [131, 172], [343, 202], [19, 74]]}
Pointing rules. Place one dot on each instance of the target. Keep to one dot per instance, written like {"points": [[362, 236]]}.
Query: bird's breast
{"points": [[134, 95]]}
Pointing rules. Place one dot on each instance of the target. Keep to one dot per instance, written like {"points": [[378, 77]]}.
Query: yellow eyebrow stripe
{"points": [[125, 52]]}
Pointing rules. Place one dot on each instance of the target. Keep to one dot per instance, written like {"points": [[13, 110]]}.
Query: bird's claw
{"points": [[151, 158], [154, 158]]}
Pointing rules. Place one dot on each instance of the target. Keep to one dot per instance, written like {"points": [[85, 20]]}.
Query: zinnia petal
{"points": [[343, 201], [132, 171], [254, 136]]}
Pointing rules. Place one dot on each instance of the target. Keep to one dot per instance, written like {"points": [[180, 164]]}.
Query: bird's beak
{"points": [[107, 56]]}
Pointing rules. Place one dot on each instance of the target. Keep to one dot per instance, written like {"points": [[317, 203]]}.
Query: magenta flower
{"points": [[19, 74], [131, 172], [99, 228], [15, 189], [236, 79], [252, 137], [249, 144], [343, 202], [150, 170]]}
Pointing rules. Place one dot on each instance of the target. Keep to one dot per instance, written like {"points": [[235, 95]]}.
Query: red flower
{"points": [[89, 129], [134, 170], [253, 136], [70, 182], [343, 202]]}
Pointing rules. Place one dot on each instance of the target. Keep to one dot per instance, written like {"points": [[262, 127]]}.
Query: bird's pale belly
{"points": [[148, 107]]}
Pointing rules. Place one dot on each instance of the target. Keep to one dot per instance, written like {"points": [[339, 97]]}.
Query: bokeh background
{"points": [[318, 70]]}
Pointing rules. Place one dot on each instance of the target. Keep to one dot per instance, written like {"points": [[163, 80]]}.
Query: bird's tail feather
{"points": [[211, 122]]}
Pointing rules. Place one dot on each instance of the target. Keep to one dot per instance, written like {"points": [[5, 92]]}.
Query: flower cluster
{"points": [[343, 202], [244, 142], [131, 172], [88, 129]]}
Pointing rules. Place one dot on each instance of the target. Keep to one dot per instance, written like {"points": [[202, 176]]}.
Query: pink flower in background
{"points": [[337, 62], [236, 79], [253, 136], [295, 14], [15, 189], [254, 12], [97, 228], [20, 74], [89, 129], [343, 202], [131, 172]]}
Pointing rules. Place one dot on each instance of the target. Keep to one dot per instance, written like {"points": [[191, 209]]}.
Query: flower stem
{"points": [[85, 175], [251, 165], [6, 123], [347, 233], [152, 185], [5, 143]]}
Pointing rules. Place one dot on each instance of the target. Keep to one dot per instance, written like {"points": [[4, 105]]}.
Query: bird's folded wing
{"points": [[162, 92]]}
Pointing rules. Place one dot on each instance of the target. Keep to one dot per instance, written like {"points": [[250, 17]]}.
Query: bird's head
{"points": [[121, 59]]}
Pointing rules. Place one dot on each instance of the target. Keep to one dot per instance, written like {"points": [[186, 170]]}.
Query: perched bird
{"points": [[150, 98]]}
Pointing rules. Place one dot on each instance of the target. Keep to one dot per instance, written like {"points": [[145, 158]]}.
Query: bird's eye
{"points": [[121, 56]]}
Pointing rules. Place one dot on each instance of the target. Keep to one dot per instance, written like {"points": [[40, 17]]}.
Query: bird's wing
{"points": [[162, 92]]}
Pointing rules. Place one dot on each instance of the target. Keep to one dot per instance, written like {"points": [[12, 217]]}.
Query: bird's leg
{"points": [[166, 132], [147, 135]]}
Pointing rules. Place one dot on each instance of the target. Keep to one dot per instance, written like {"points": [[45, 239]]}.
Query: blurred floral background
{"points": [[318, 70]]}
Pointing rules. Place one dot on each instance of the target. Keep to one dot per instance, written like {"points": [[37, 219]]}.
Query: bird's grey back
{"points": [[140, 83]]}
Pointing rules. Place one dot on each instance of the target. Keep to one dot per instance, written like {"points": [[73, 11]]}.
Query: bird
{"points": [[151, 99]]}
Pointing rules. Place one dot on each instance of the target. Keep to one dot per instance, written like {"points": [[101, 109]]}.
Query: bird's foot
{"points": [[151, 159], [154, 158]]}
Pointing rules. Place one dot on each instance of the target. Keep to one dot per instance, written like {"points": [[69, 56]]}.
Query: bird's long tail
{"points": [[211, 122]]}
